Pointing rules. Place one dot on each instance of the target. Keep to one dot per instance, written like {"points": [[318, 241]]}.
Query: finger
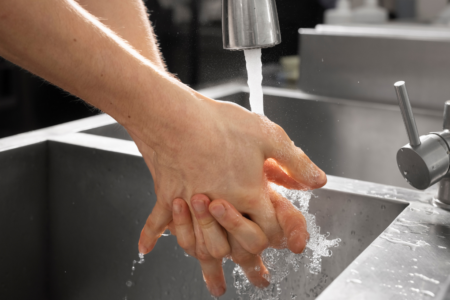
{"points": [[291, 158], [251, 264], [292, 221], [276, 174], [247, 233], [183, 226], [213, 276], [215, 237], [154, 226], [211, 267], [172, 228]]}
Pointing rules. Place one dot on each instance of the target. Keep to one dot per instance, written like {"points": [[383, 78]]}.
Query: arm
{"points": [[129, 20], [60, 42]]}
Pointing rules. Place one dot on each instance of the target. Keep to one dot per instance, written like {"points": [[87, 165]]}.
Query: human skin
{"points": [[192, 144]]}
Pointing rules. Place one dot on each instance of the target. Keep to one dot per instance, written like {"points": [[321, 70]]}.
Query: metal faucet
{"points": [[425, 160], [250, 24]]}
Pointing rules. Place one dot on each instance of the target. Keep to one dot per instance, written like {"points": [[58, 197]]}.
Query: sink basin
{"points": [[91, 204], [75, 198]]}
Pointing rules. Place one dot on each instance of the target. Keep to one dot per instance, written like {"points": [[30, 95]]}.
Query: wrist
{"points": [[161, 111]]}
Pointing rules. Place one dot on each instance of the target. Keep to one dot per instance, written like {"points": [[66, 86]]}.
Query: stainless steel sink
{"points": [[75, 197]]}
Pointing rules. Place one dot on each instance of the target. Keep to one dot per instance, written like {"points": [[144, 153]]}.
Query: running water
{"points": [[130, 283], [254, 74], [280, 262]]}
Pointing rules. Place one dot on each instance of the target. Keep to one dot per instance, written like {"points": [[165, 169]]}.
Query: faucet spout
{"points": [[250, 24]]}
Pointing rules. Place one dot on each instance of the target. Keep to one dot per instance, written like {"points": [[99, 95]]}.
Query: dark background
{"points": [[192, 49]]}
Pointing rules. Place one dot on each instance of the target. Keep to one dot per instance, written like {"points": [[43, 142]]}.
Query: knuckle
{"points": [[202, 254], [186, 244], [234, 223], [241, 258], [258, 247], [150, 228], [219, 253], [207, 223]]}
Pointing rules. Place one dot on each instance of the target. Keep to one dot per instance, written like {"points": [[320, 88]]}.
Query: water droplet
{"points": [[354, 281], [405, 173], [129, 283]]}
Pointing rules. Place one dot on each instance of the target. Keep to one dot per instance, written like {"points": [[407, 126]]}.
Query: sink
{"points": [[85, 208], [76, 196]]}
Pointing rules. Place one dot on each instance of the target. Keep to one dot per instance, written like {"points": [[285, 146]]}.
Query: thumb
{"points": [[292, 159], [274, 173]]}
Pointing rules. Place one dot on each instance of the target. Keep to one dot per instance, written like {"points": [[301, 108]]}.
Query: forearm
{"points": [[129, 20], [62, 43]]}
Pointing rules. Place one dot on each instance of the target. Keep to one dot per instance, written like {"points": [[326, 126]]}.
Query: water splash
{"points": [[279, 262], [254, 73], [140, 261]]}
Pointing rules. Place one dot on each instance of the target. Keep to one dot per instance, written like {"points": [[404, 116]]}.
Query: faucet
{"points": [[425, 160], [250, 24]]}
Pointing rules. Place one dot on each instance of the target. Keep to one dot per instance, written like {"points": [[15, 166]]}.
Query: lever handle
{"points": [[408, 117], [447, 115]]}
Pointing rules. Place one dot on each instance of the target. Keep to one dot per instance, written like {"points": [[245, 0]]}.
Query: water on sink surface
{"points": [[411, 245]]}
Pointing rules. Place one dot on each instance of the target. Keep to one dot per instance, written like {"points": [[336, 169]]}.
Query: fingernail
{"points": [[199, 206], [218, 291], [176, 207], [142, 249], [218, 210]]}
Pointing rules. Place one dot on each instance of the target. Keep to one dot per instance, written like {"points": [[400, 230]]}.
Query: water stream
{"points": [[254, 74], [280, 262]]}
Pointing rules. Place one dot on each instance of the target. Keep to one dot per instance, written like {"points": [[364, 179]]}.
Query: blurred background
{"points": [[189, 33]]}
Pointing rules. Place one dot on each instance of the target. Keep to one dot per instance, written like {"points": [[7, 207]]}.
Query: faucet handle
{"points": [[424, 161], [407, 114], [446, 124]]}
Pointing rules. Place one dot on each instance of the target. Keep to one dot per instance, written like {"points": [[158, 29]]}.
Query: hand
{"points": [[245, 239], [221, 150], [197, 240]]}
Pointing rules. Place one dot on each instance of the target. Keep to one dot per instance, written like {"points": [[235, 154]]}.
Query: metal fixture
{"points": [[250, 24], [425, 160]]}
